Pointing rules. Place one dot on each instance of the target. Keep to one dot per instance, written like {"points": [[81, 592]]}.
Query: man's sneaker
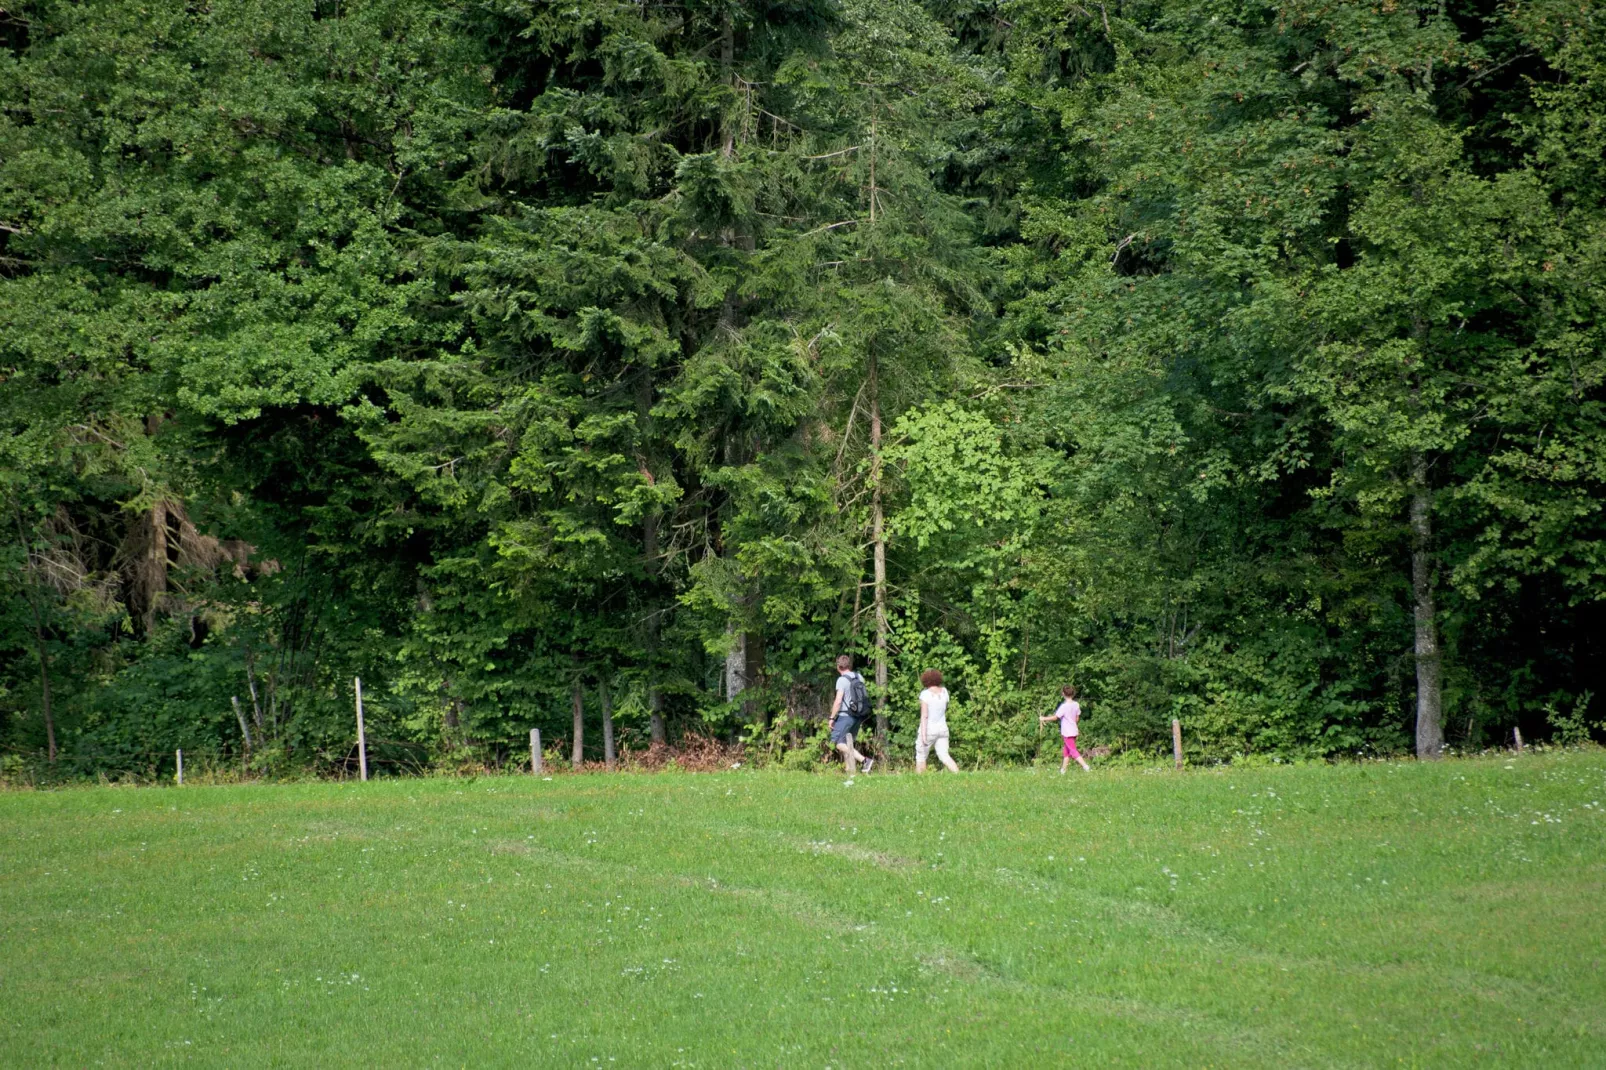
{"points": [[868, 762]]}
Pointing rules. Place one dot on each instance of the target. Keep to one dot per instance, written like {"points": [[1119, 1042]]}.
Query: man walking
{"points": [[848, 711]]}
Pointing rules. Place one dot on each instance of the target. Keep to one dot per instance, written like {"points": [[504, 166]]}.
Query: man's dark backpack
{"points": [[855, 700]]}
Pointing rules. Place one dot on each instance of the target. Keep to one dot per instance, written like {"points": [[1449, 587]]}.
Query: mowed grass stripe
{"points": [[1313, 916]]}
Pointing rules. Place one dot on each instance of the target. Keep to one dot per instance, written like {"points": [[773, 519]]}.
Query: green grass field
{"points": [[1360, 915]]}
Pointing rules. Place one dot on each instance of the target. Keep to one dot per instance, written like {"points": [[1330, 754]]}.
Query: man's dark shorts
{"points": [[845, 726]]}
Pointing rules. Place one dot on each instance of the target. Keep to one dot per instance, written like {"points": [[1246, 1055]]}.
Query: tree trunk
{"points": [[746, 655], [727, 64], [251, 684], [608, 754], [245, 730], [655, 696], [873, 190], [452, 708], [39, 641], [577, 758], [1429, 694], [797, 711], [878, 535], [655, 710], [753, 671], [649, 546], [735, 663], [44, 678], [153, 572]]}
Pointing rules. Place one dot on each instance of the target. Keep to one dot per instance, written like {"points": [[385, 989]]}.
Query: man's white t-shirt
{"points": [[1068, 713], [936, 700]]}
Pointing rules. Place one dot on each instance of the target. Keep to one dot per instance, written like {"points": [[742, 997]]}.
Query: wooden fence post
{"points": [[1517, 734], [1176, 741], [180, 754], [535, 751], [362, 740]]}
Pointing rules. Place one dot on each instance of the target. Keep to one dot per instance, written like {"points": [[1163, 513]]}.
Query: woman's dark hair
{"points": [[1069, 690], [931, 678]]}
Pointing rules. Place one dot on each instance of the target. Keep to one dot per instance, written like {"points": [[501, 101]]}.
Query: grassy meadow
{"points": [[1357, 915]]}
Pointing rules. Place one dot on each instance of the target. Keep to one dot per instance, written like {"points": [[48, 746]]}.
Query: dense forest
{"points": [[619, 364]]}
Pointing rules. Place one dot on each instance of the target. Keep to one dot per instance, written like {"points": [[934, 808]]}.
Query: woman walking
{"points": [[933, 722]]}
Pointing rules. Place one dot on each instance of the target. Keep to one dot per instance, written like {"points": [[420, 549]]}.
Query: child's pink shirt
{"points": [[1068, 713]]}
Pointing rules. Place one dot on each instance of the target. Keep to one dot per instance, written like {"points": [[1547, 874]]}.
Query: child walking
{"points": [[1067, 715]]}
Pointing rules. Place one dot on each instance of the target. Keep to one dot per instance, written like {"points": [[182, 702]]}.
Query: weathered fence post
{"points": [[535, 751], [362, 740], [1176, 741], [1517, 735], [180, 755]]}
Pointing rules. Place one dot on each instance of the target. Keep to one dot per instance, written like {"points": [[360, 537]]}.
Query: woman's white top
{"points": [[936, 700]]}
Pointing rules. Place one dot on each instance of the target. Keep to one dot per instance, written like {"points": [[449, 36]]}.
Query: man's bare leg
{"points": [[851, 758]]}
